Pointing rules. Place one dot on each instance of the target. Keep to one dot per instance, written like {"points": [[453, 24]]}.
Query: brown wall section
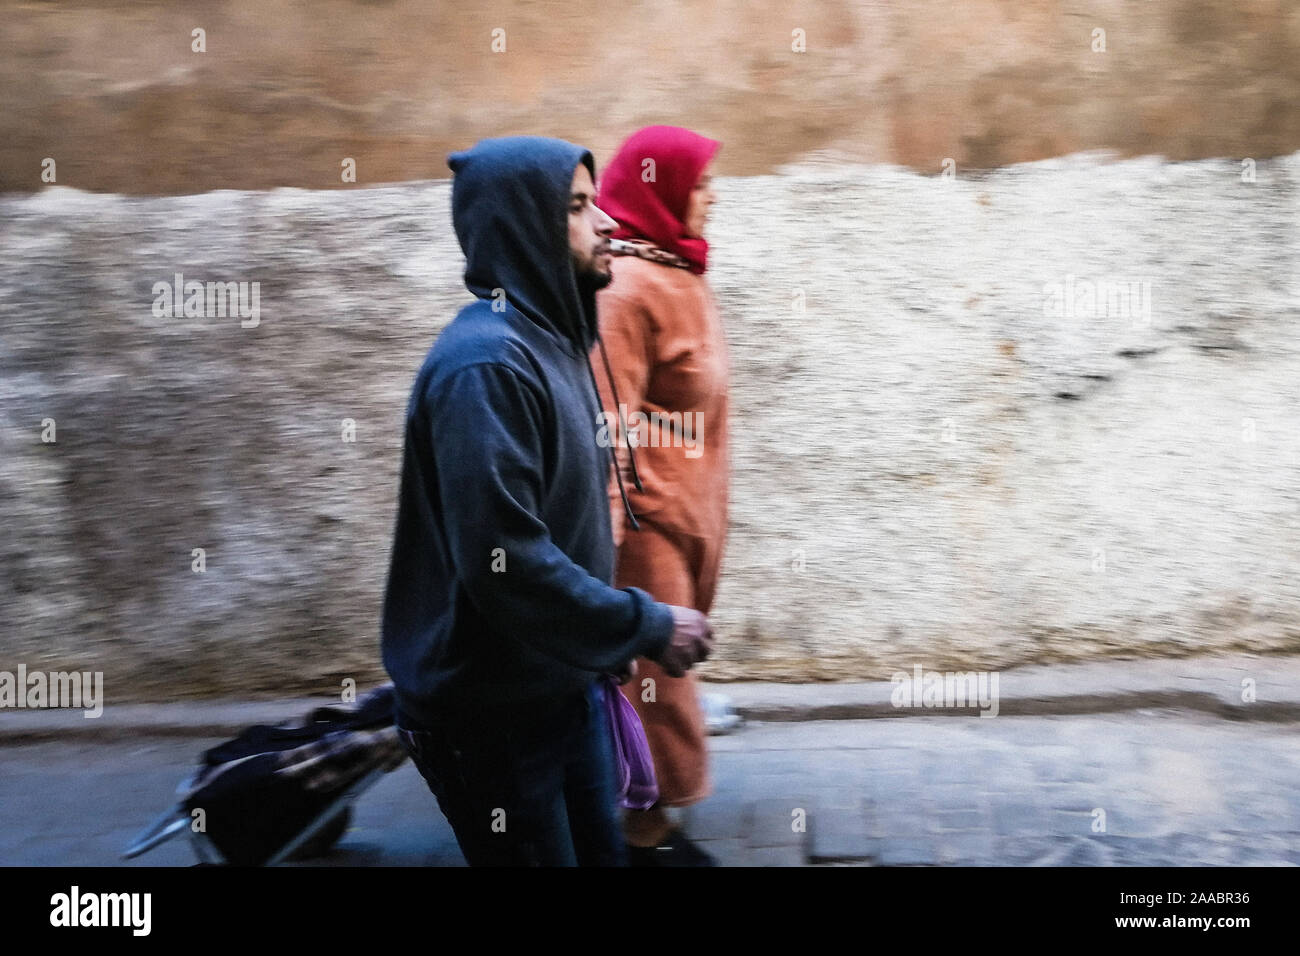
{"points": [[286, 90]]}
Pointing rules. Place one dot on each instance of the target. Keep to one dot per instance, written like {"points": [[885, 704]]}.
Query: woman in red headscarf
{"points": [[667, 354]]}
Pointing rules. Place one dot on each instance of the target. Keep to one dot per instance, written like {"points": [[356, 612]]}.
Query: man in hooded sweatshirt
{"points": [[500, 617]]}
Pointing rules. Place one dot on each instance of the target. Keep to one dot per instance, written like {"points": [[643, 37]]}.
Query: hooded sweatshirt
{"points": [[499, 587]]}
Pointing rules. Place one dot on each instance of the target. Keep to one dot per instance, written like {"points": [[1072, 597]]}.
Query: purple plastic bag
{"points": [[634, 767]]}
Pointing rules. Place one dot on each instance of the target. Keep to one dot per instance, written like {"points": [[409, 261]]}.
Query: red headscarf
{"points": [[656, 210]]}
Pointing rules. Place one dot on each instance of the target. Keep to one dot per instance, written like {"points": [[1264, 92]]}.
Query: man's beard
{"points": [[590, 280]]}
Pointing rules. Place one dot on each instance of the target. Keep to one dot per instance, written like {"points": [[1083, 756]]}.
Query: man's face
{"points": [[589, 232]]}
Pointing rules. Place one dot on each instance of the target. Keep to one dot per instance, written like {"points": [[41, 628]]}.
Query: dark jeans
{"points": [[528, 784]]}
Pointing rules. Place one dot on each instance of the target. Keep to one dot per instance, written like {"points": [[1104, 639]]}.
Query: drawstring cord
{"points": [[609, 374], [613, 453]]}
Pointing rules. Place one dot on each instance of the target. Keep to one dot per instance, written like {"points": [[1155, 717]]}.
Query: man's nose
{"points": [[605, 226]]}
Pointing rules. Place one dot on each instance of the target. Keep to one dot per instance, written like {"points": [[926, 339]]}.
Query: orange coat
{"points": [[666, 346], [668, 351]]}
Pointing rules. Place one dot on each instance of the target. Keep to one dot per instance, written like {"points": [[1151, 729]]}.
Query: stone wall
{"points": [[945, 452]]}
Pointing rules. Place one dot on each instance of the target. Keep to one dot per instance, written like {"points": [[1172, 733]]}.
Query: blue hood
{"points": [[509, 207]]}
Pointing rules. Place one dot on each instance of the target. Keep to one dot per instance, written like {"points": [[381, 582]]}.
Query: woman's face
{"points": [[702, 197]]}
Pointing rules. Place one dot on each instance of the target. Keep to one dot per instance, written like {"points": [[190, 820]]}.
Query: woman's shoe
{"points": [[719, 718]]}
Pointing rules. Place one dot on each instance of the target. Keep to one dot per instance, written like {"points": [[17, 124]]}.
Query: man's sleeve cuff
{"points": [[655, 628]]}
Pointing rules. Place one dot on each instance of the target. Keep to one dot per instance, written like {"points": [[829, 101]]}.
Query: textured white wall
{"points": [[951, 462]]}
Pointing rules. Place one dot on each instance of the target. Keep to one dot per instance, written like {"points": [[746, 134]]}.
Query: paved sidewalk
{"points": [[1212, 685]]}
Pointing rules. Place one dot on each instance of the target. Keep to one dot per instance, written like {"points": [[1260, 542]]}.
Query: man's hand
{"points": [[692, 641]]}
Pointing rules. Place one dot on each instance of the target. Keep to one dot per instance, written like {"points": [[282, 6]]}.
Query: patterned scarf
{"points": [[647, 250]]}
